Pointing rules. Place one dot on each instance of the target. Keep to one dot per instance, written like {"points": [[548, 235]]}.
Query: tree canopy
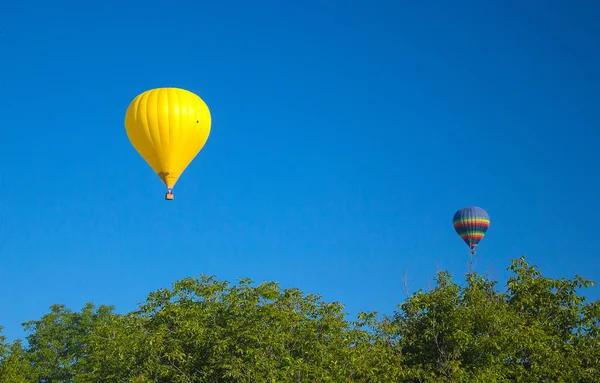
{"points": [[537, 329]]}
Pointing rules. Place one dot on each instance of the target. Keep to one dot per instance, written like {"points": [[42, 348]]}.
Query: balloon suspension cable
{"points": [[169, 196], [471, 256]]}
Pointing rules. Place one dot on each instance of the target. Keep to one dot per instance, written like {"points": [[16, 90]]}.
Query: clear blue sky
{"points": [[345, 136]]}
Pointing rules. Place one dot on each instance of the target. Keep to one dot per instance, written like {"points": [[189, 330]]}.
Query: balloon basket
{"points": [[169, 196]]}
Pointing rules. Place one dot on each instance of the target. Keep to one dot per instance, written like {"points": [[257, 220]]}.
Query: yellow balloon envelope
{"points": [[168, 127]]}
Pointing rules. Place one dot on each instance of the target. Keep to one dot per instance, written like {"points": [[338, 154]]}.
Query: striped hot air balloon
{"points": [[471, 223]]}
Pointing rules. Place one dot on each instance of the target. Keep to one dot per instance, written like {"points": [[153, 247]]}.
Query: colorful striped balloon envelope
{"points": [[471, 223]]}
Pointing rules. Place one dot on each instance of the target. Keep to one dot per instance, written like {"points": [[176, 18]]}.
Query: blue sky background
{"points": [[345, 136]]}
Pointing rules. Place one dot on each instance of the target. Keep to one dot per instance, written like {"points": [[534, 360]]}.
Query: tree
{"points": [[539, 330], [208, 331], [204, 330], [13, 365]]}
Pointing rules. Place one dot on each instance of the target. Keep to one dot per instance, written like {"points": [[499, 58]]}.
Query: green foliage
{"points": [[14, 367], [204, 330]]}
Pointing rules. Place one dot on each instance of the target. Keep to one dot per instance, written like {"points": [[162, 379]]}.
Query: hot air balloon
{"points": [[168, 127], [471, 223]]}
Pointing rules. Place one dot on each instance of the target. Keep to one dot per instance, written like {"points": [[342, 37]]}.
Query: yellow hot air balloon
{"points": [[168, 127]]}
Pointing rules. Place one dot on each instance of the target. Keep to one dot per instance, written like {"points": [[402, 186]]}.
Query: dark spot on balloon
{"points": [[196, 121]]}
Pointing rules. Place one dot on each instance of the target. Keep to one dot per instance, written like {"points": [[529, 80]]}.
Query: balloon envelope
{"points": [[471, 223], [168, 127]]}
